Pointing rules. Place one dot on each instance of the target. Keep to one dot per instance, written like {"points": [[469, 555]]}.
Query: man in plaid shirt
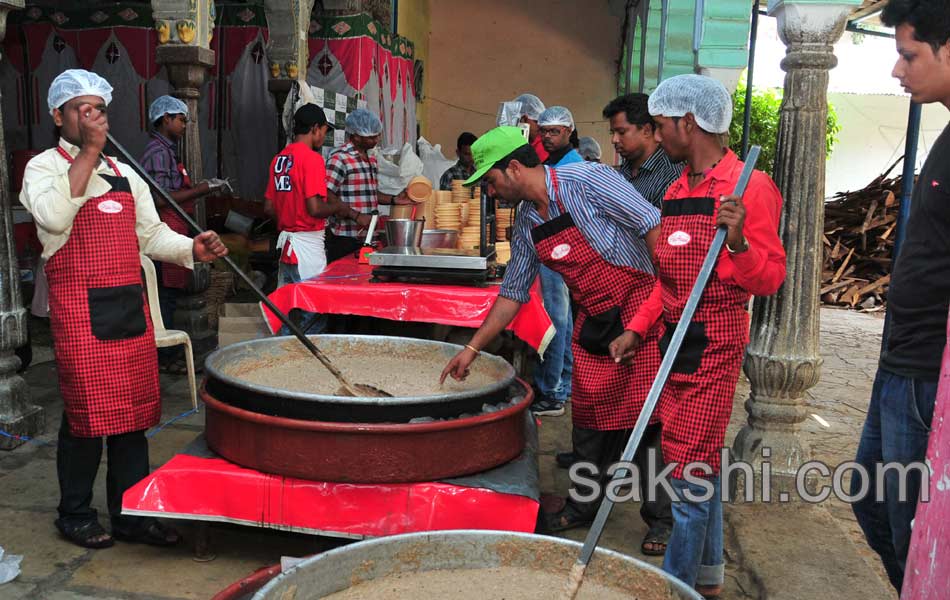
{"points": [[352, 179]]}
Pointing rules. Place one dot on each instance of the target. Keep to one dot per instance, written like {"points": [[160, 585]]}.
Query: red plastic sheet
{"points": [[344, 288], [927, 574], [213, 489]]}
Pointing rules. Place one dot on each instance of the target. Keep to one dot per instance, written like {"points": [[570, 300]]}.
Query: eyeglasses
{"points": [[551, 131]]}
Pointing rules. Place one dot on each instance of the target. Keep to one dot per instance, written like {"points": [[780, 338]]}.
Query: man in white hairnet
{"points": [[589, 149], [93, 216], [352, 178], [169, 117], [531, 109], [691, 112]]}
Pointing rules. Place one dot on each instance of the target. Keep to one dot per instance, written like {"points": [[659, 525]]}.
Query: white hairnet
{"points": [[74, 83], [556, 115], [704, 97], [166, 105], [531, 106], [363, 122], [588, 148]]}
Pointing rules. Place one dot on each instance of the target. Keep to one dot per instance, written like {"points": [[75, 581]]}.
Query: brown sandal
{"points": [[152, 532]]}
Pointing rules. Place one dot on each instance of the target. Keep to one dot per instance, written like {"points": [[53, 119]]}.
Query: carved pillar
{"points": [[184, 33], [18, 416], [288, 25], [783, 360]]}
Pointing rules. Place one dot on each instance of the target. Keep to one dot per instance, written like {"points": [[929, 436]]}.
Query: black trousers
{"points": [[604, 448], [77, 461], [339, 246]]}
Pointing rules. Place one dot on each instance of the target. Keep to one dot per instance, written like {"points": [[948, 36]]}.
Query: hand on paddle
{"points": [[624, 347], [458, 366], [208, 246], [732, 215]]}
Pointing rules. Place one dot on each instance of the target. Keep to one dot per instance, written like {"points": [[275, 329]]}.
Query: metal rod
{"points": [[227, 259], [747, 113], [709, 263], [644, 14], [630, 36], [664, 17]]}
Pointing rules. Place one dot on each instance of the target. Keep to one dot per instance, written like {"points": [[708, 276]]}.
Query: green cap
{"points": [[492, 147]]}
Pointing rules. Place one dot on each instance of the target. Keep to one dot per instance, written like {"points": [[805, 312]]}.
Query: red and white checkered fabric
{"points": [[108, 387], [605, 396], [354, 179], [695, 407], [177, 276]]}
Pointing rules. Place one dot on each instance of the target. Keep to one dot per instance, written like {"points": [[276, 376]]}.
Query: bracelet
{"points": [[745, 244], [473, 349]]}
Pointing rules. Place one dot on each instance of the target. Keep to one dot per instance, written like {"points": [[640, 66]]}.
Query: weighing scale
{"points": [[441, 265]]}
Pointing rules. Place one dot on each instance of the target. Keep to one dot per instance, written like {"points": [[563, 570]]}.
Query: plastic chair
{"points": [[168, 337]]}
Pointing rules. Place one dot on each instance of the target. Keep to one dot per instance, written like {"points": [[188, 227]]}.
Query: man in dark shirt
{"points": [[645, 163], [465, 166], [902, 401]]}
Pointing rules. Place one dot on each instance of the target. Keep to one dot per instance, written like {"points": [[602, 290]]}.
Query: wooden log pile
{"points": [[860, 228]]}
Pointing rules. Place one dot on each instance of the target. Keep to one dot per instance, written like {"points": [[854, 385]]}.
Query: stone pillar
{"points": [[288, 25], [184, 34], [783, 359], [18, 416]]}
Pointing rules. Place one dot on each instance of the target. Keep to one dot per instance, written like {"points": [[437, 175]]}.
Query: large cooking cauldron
{"points": [[361, 440], [345, 567], [224, 367]]}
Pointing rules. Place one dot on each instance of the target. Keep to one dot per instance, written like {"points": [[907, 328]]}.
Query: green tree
{"points": [[763, 124]]}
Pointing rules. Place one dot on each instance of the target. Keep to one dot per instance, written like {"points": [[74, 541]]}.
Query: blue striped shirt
{"points": [[611, 215]]}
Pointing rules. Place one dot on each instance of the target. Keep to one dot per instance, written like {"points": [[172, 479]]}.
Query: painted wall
{"points": [[481, 53], [414, 20]]}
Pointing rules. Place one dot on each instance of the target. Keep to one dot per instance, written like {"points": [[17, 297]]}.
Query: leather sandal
{"points": [[86, 535], [152, 532], [655, 537]]}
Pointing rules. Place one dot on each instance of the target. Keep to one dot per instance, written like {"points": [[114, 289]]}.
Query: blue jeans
{"points": [[694, 552], [310, 323], [554, 375], [896, 430]]}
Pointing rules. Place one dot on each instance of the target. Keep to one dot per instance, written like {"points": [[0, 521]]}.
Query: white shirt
{"points": [[46, 195]]}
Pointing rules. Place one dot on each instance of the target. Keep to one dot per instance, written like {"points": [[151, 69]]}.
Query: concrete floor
{"points": [[791, 551]]}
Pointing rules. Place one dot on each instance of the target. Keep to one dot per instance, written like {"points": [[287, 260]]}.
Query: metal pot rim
{"points": [[212, 370]]}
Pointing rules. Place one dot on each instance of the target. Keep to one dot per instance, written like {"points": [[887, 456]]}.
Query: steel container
{"points": [[345, 567], [405, 232], [440, 238]]}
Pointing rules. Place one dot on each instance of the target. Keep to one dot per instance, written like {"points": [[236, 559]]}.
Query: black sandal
{"points": [[566, 518], [657, 536], [152, 532], [86, 535]]}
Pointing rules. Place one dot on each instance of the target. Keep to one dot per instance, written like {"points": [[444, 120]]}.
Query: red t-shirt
{"points": [[297, 173]]}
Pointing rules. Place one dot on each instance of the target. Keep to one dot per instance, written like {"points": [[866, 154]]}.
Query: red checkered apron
{"points": [[605, 395], [102, 333], [697, 401], [176, 276]]}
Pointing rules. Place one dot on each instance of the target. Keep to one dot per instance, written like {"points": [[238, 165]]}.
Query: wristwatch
{"points": [[745, 247]]}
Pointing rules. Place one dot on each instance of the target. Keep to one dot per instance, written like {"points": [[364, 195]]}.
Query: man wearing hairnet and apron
{"points": [[691, 113], [93, 216], [169, 117], [352, 178]]}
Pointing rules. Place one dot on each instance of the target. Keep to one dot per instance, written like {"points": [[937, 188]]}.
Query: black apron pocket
{"points": [[599, 330], [691, 351], [117, 313]]}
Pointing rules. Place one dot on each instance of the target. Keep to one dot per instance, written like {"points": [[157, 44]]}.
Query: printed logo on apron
{"points": [[560, 251], [110, 207], [679, 238]]}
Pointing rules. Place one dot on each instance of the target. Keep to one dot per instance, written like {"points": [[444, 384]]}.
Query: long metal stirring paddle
{"points": [[597, 528], [352, 389]]}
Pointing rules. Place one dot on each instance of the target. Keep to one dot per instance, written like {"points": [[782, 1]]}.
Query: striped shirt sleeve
{"points": [[620, 201], [524, 264]]}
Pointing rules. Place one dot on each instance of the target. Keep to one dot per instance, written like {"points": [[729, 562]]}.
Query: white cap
{"points": [[556, 115], [531, 106], [588, 148], [704, 97], [166, 105], [363, 122], [74, 83]]}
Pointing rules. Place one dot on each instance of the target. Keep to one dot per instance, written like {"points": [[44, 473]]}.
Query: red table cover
{"points": [[213, 489], [344, 288]]}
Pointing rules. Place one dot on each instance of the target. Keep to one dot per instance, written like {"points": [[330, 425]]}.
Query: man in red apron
{"points": [[588, 224], [94, 216], [169, 117], [691, 111]]}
